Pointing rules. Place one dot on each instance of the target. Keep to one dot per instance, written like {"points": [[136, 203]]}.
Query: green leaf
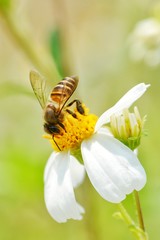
{"points": [[5, 4], [56, 50]]}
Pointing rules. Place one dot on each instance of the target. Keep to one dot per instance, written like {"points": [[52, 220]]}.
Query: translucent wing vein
{"points": [[39, 87]]}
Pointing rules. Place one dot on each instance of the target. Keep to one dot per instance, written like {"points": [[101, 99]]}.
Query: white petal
{"points": [[113, 168], [106, 131], [125, 102], [59, 195], [77, 172], [48, 165]]}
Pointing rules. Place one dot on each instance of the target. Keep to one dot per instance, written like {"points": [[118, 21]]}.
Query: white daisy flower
{"points": [[145, 42], [113, 168]]}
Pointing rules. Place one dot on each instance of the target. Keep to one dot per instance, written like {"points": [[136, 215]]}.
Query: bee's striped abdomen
{"points": [[64, 89]]}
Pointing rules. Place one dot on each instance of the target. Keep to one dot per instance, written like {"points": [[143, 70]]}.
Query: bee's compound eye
{"points": [[54, 129], [51, 129], [46, 128]]}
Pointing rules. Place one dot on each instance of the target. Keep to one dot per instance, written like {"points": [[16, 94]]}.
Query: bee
{"points": [[53, 101]]}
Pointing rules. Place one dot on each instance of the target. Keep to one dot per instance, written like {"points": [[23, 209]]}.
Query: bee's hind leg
{"points": [[78, 106]]}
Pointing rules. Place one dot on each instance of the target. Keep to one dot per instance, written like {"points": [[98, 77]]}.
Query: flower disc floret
{"points": [[128, 127], [77, 128]]}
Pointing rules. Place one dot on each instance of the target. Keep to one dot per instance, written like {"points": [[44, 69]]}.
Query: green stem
{"points": [[138, 232], [126, 217], [139, 211]]}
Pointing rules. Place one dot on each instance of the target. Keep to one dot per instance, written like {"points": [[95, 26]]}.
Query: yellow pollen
{"points": [[76, 130]]}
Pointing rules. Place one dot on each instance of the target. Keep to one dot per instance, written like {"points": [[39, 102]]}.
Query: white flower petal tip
{"points": [[113, 169], [147, 86], [125, 102], [59, 195]]}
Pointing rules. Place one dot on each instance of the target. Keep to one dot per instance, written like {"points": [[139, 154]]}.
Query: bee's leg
{"points": [[72, 113], [78, 106], [62, 126]]}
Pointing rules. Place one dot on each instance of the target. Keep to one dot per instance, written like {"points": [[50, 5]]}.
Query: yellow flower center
{"points": [[76, 130]]}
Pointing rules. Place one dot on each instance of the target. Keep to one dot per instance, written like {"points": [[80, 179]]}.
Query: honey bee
{"points": [[53, 102]]}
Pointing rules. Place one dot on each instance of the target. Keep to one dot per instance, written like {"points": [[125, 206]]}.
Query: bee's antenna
{"points": [[56, 143]]}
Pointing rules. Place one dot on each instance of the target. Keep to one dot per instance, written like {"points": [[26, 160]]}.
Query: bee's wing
{"points": [[40, 88]]}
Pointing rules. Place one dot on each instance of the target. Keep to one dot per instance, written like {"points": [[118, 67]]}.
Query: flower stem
{"points": [[139, 211], [140, 215], [138, 231], [126, 217]]}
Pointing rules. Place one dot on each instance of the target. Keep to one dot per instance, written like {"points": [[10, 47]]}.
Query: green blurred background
{"points": [[94, 46]]}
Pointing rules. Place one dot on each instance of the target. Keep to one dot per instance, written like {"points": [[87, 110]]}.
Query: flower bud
{"points": [[128, 127]]}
